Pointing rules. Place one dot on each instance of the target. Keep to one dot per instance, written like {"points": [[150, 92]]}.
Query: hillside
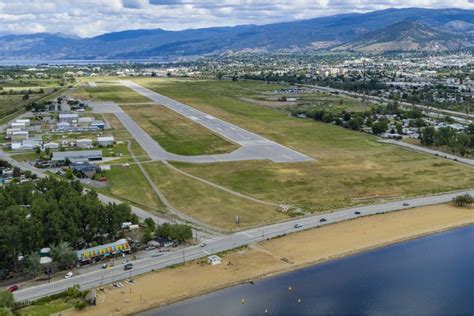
{"points": [[363, 32], [409, 36]]}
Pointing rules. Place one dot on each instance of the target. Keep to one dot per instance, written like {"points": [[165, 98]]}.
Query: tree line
{"points": [[49, 212], [459, 143]]}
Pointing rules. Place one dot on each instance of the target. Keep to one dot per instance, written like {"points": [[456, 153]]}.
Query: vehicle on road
{"points": [[357, 213], [13, 288], [298, 225], [128, 266], [406, 204], [69, 275], [322, 220], [124, 261], [203, 244], [104, 266]]}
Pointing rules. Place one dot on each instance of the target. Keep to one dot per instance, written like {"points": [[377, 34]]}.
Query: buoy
{"points": [[299, 300], [243, 301], [289, 288], [266, 311]]}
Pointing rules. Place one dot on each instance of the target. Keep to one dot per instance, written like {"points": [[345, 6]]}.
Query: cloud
{"points": [[93, 17]]}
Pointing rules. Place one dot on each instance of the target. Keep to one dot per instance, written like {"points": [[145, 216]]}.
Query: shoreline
{"points": [[265, 259], [298, 267]]}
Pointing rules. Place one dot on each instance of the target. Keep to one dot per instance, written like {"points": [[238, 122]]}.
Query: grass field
{"points": [[44, 309], [208, 204], [332, 103], [349, 168], [129, 184], [175, 133], [109, 92]]}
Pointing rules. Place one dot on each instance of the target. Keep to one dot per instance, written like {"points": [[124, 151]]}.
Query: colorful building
{"points": [[118, 247]]}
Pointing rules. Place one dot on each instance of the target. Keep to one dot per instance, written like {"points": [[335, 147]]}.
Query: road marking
{"points": [[246, 234]]}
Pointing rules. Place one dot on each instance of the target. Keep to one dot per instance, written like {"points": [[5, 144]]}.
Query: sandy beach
{"points": [[275, 256]]}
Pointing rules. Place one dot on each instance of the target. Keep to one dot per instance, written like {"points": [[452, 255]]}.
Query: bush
{"points": [[463, 200], [80, 305]]}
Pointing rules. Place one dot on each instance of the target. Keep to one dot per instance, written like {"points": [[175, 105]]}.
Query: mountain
{"points": [[391, 29], [410, 35]]}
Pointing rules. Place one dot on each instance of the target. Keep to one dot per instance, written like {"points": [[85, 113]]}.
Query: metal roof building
{"points": [[75, 156]]}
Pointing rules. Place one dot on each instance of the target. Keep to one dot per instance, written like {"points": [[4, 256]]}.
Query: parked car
{"points": [[13, 288], [128, 266], [69, 275], [150, 248], [104, 266], [298, 225], [322, 220]]}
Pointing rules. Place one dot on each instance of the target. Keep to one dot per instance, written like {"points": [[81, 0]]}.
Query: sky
{"points": [[86, 18]]}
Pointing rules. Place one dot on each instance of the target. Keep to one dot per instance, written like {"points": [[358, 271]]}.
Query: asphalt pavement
{"points": [[252, 146]]}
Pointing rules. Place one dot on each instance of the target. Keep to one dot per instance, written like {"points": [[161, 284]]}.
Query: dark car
{"points": [[12, 288], [128, 266], [406, 204], [322, 220], [357, 213]]}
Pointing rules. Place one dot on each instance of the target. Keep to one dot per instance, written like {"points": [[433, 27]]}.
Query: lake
{"points": [[429, 275]]}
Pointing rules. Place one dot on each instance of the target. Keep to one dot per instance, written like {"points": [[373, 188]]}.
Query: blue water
{"points": [[430, 275]]}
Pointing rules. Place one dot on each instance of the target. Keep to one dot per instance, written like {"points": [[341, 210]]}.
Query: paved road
{"points": [[429, 151], [223, 243], [253, 146]]}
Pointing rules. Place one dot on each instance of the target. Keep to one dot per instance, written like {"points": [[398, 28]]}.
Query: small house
{"points": [[106, 141], [214, 260], [84, 169], [27, 122], [84, 143], [51, 146], [98, 124], [20, 135], [68, 117]]}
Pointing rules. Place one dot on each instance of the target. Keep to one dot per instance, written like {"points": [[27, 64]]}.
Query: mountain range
{"points": [[410, 29]]}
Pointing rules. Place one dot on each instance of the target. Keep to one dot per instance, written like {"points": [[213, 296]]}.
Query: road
{"points": [[429, 151], [224, 243], [252, 146]]}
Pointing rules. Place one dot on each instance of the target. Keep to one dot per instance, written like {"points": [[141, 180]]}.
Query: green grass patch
{"points": [[208, 204], [175, 133], [45, 309], [129, 184]]}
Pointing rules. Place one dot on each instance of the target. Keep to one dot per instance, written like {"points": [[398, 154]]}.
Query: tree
{"points": [[6, 299], [26, 97], [399, 128], [33, 264], [150, 223], [463, 200], [179, 232], [379, 127], [16, 172], [427, 136], [63, 255]]}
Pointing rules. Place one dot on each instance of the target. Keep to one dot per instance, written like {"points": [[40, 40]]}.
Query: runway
{"points": [[252, 146]]}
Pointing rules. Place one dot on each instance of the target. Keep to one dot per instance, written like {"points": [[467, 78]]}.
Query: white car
{"points": [[69, 275], [203, 244]]}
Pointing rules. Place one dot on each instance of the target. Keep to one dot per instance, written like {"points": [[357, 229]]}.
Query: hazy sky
{"points": [[93, 17]]}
